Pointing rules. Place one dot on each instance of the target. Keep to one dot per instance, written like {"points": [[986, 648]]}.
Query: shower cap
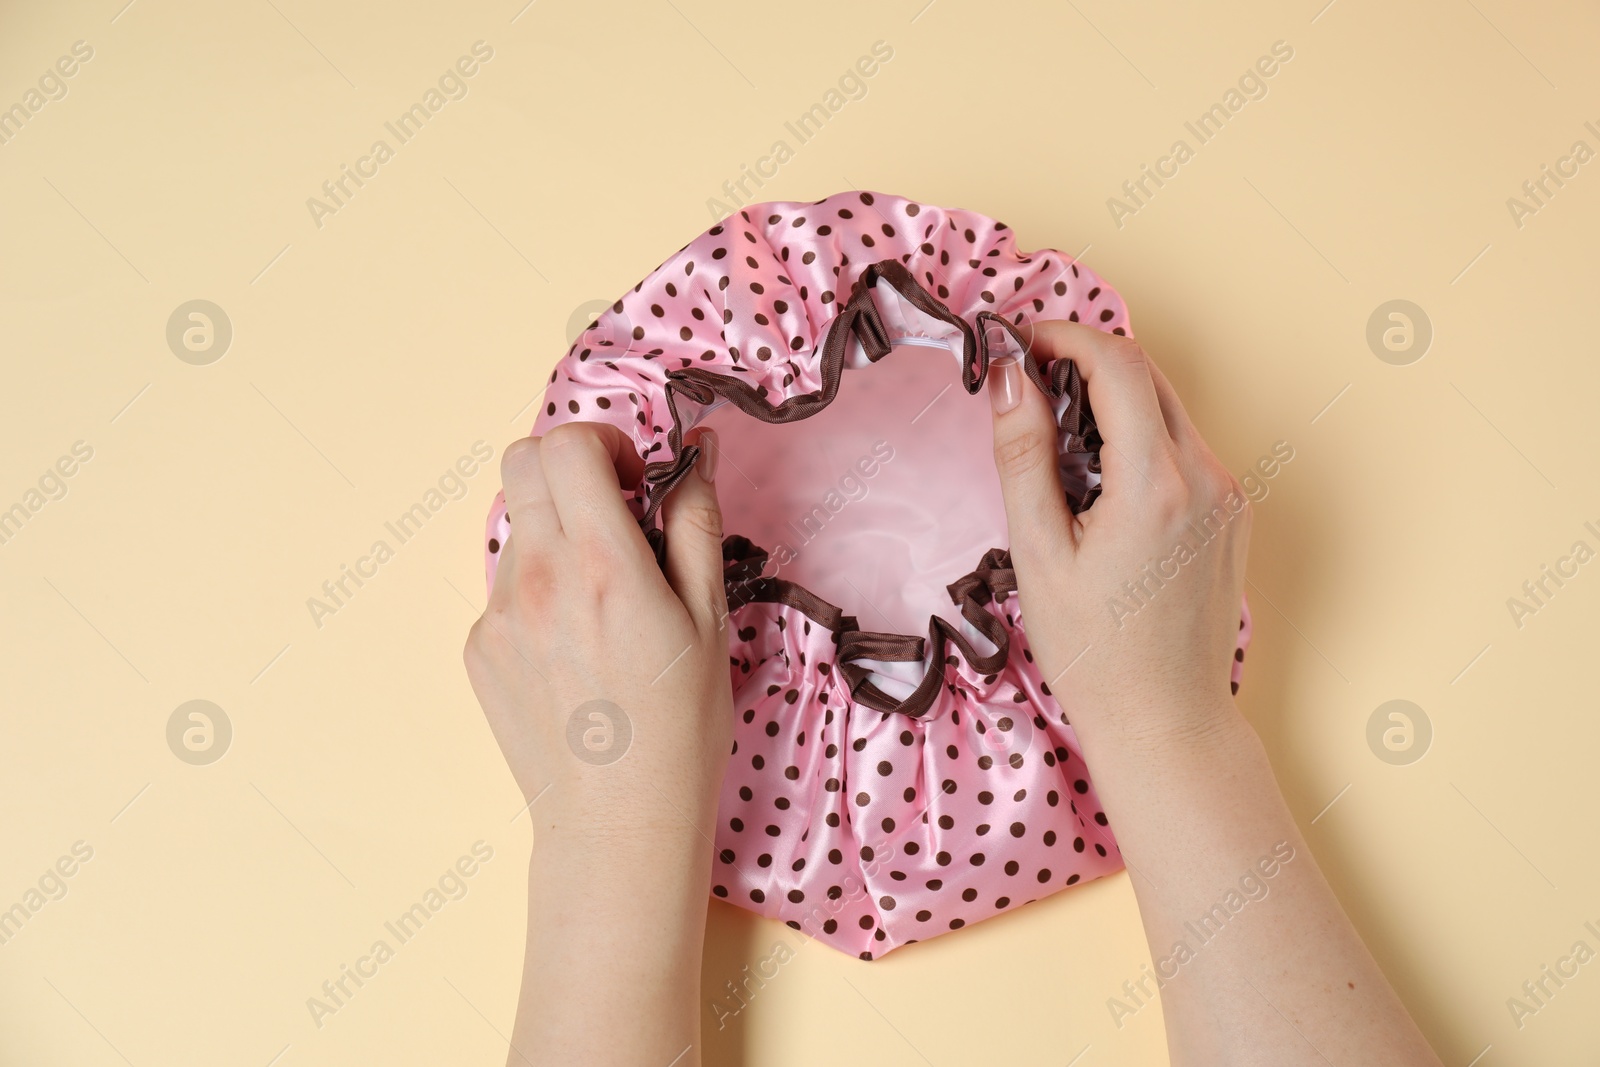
{"points": [[900, 767]]}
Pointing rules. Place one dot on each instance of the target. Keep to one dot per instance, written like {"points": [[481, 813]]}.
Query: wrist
{"points": [[1151, 727]]}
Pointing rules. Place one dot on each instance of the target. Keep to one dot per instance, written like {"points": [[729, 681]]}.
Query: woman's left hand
{"points": [[605, 682]]}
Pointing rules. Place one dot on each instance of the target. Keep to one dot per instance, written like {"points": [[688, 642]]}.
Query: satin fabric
{"points": [[867, 829]]}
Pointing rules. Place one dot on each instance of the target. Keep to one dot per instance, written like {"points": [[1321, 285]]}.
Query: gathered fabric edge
{"points": [[992, 580]]}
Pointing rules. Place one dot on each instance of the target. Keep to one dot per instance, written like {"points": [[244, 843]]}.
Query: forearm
{"points": [[616, 924], [1255, 960]]}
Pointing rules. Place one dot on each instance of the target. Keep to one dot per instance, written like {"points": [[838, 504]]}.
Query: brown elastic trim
{"points": [[992, 580], [743, 561], [1059, 378], [858, 318]]}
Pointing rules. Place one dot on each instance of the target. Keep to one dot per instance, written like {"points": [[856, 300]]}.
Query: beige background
{"points": [[370, 353]]}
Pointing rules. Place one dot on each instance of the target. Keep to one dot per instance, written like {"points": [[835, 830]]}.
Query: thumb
{"points": [[1025, 457], [692, 521]]}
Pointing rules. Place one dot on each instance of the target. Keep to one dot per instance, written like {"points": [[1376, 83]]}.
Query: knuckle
{"points": [[475, 651], [705, 518], [559, 433], [1017, 456], [518, 454], [537, 591], [1126, 350], [536, 573], [1174, 505], [598, 562], [1215, 485], [571, 435]]}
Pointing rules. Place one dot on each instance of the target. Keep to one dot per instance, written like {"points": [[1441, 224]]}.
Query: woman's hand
{"points": [[585, 641], [1132, 607], [606, 684]]}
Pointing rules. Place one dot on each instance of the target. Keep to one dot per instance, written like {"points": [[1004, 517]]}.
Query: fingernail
{"points": [[1005, 384], [706, 465]]}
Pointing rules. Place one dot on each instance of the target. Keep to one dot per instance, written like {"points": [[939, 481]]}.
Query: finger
{"points": [[1122, 395], [1026, 458], [581, 466], [1179, 426], [528, 503], [692, 521]]}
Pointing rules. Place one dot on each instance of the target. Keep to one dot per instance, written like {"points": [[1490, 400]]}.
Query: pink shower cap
{"points": [[900, 768]]}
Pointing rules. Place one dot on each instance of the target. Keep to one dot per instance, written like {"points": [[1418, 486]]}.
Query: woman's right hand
{"points": [[1132, 612]]}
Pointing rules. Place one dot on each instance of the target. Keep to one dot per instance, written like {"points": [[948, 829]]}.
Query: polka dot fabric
{"points": [[861, 820]]}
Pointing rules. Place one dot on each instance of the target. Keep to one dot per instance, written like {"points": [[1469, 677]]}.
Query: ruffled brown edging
{"points": [[992, 580]]}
